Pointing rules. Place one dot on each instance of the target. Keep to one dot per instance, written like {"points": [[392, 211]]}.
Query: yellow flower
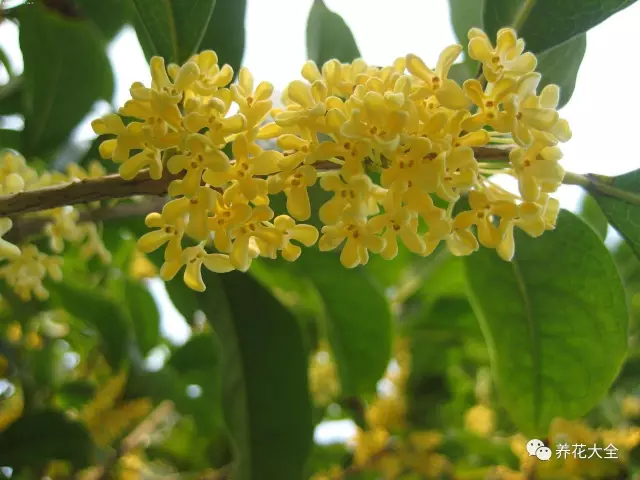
{"points": [[480, 420], [524, 113], [398, 222], [7, 249], [199, 155], [297, 150], [246, 166], [194, 258], [14, 332], [488, 102], [537, 170], [224, 219], [506, 59], [211, 77], [305, 105], [167, 232], [295, 183], [254, 105], [255, 227], [447, 91], [359, 241], [352, 197], [305, 234], [195, 209]]}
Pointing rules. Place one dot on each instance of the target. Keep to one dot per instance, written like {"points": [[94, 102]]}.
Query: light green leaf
{"points": [[144, 314], [264, 363], [546, 23], [226, 32], [172, 29], [624, 216], [66, 70], [465, 15], [35, 439], [555, 320], [358, 320], [328, 36], [591, 213]]}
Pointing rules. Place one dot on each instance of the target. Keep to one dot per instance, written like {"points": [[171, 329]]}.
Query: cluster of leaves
{"points": [[555, 338]]}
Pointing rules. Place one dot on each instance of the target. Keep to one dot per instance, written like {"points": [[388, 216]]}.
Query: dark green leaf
{"points": [[265, 395], [547, 23], [109, 16], [75, 394], [560, 65], [328, 36], [66, 70], [358, 320], [10, 139], [591, 213], [200, 351], [144, 314], [624, 216], [555, 320], [172, 29], [226, 32], [100, 311], [11, 97], [37, 438]]}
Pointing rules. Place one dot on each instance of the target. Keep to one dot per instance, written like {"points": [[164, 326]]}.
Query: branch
{"points": [[600, 185], [26, 227], [83, 191], [114, 186]]}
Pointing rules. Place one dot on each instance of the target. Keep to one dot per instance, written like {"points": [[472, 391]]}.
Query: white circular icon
{"points": [[533, 445], [543, 453]]}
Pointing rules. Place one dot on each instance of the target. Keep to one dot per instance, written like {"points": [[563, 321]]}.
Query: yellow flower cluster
{"points": [[26, 266], [409, 123]]}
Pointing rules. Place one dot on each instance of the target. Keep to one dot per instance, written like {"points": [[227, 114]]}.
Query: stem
{"points": [[600, 185], [522, 14]]}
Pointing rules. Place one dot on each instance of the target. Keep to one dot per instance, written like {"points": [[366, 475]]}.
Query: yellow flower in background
{"points": [[480, 420]]}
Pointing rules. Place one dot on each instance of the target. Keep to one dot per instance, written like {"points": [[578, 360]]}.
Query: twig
{"points": [[114, 186], [24, 227], [83, 191], [600, 185]]}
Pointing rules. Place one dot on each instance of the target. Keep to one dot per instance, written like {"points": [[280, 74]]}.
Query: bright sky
{"points": [[602, 112]]}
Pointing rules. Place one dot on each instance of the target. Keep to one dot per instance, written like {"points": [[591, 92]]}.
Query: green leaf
{"points": [[11, 97], [100, 311], [358, 320], [226, 32], [172, 29], [555, 320], [201, 350], [328, 36], [465, 14], [10, 139], [624, 216], [144, 314], [109, 16], [66, 70], [591, 213], [547, 23], [265, 395], [560, 65], [39, 437]]}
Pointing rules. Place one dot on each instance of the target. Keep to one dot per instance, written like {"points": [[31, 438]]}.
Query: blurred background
{"points": [[603, 111]]}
